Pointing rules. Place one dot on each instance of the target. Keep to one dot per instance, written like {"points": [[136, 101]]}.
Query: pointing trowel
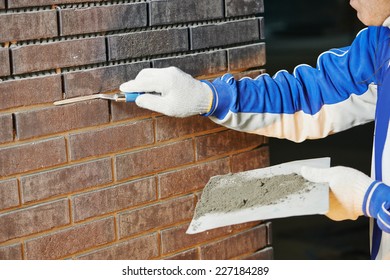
{"points": [[226, 198], [119, 97]]}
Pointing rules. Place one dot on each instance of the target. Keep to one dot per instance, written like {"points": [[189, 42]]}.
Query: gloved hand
{"points": [[177, 94], [352, 194]]}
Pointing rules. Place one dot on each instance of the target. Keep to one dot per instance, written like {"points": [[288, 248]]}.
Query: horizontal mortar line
{"points": [[128, 31]]}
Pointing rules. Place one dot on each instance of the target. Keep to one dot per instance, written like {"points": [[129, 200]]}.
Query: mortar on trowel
{"points": [[261, 194]]}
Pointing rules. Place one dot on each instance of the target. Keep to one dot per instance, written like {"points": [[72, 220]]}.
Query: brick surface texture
{"points": [[106, 180]]}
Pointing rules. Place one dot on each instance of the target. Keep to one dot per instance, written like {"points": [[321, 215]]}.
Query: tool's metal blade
{"points": [[77, 99], [114, 97]]}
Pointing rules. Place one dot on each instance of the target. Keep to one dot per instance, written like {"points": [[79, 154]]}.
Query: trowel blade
{"points": [[313, 200]]}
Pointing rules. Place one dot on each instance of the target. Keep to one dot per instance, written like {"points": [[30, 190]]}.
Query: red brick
{"points": [[111, 139], [113, 198], [264, 254], [191, 254], [6, 128], [233, 246], [31, 3], [175, 11], [154, 42], [122, 111], [34, 219], [12, 252], [168, 128], [108, 78], [236, 8], [5, 68], [246, 57], [142, 248], [65, 180], [156, 216], [202, 64], [103, 18], [38, 57], [30, 91], [190, 179], [9, 194], [15, 26], [254, 159], [70, 241], [56, 119], [223, 34], [31, 156], [225, 142], [154, 160]]}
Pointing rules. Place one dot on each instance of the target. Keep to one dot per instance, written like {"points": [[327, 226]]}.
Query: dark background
{"points": [[297, 32]]}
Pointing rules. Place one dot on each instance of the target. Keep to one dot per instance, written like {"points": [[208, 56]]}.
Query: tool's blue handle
{"points": [[132, 96]]}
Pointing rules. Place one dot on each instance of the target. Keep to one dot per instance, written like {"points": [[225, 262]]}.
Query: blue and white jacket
{"points": [[350, 86]]}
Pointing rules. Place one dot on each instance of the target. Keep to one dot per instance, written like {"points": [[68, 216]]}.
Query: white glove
{"points": [[177, 93], [348, 188]]}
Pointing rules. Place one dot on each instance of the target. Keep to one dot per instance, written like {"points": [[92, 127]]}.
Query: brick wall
{"points": [[101, 180]]}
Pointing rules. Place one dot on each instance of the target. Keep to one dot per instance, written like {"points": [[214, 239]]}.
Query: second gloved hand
{"points": [[353, 194], [348, 188], [178, 94]]}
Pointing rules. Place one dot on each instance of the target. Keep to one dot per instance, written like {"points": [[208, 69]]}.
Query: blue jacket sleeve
{"points": [[340, 92]]}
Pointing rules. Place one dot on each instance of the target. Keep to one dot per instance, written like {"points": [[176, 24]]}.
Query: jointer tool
{"points": [[119, 97]]}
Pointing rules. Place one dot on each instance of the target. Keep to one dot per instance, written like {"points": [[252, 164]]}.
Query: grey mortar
{"points": [[231, 192]]}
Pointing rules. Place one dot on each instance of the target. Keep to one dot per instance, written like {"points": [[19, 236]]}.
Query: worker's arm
{"points": [[353, 194], [310, 103]]}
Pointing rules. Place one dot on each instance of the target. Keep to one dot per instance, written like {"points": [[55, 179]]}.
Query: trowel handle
{"points": [[132, 96]]}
